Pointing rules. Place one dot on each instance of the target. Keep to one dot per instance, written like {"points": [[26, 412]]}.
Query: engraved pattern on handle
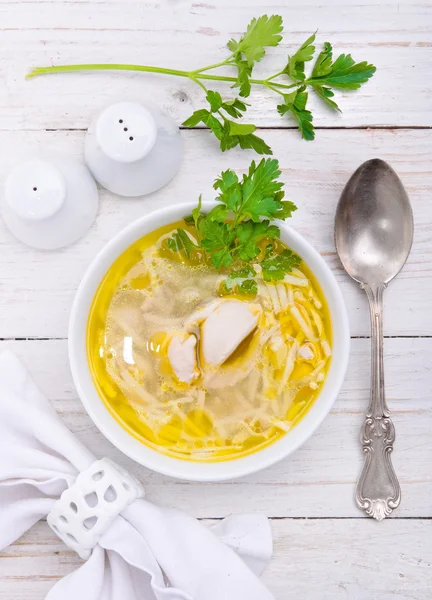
{"points": [[378, 491]]}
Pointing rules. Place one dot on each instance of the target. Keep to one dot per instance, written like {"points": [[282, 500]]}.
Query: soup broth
{"points": [[216, 407]]}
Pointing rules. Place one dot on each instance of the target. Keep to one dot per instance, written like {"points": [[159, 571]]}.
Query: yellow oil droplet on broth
{"points": [[140, 283], [158, 344]]}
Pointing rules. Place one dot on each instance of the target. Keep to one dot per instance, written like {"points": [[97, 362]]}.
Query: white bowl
{"points": [[174, 467]]}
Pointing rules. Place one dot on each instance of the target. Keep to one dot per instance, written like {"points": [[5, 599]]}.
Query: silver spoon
{"points": [[373, 234]]}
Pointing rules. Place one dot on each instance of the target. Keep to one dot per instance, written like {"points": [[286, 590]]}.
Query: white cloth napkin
{"points": [[148, 553]]}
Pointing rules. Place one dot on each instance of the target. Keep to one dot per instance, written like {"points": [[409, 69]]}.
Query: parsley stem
{"points": [[214, 66], [274, 76], [282, 86], [274, 89], [193, 75], [198, 82], [105, 67]]}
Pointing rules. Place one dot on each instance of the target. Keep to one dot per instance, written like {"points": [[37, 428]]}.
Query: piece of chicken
{"points": [[182, 355], [223, 330]]}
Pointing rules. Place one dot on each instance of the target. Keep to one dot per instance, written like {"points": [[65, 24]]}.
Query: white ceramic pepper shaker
{"points": [[133, 149], [49, 203]]}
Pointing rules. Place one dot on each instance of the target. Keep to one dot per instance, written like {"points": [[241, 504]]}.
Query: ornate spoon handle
{"points": [[378, 491]]}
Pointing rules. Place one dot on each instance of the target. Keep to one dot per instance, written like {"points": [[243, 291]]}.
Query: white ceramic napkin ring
{"points": [[86, 510], [132, 149]]}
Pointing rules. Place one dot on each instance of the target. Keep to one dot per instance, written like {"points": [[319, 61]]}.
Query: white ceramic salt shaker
{"points": [[133, 149], [50, 202]]}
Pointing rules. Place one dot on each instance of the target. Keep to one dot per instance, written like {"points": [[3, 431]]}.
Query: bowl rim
{"points": [[176, 467]]}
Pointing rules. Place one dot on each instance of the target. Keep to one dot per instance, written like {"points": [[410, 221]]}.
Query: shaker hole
{"points": [[131, 138], [120, 120], [35, 189], [125, 128]]}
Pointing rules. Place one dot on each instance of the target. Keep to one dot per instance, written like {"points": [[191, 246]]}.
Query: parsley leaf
{"points": [[217, 239], [253, 142], [296, 62], [241, 134], [285, 211], [196, 218], [249, 234], [240, 128], [196, 117], [326, 95], [196, 213], [229, 133], [244, 71], [260, 33], [242, 281], [257, 195], [344, 73], [181, 242], [230, 190], [275, 267], [255, 207], [206, 117], [214, 99], [218, 213], [249, 287], [295, 104], [322, 65], [259, 187], [234, 108]]}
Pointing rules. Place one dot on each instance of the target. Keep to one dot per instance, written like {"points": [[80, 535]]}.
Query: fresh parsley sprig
{"points": [[291, 83], [236, 235]]}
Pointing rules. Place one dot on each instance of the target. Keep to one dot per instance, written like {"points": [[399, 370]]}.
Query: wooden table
{"points": [[324, 548]]}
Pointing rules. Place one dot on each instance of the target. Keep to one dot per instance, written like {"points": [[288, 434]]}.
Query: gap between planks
{"points": [[392, 518], [262, 128], [270, 518]]}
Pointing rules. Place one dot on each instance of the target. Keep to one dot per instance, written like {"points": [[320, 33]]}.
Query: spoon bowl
{"points": [[374, 224]]}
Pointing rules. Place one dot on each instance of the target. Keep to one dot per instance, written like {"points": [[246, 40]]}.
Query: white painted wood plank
{"points": [[316, 481], [37, 288], [316, 559], [359, 559], [395, 36]]}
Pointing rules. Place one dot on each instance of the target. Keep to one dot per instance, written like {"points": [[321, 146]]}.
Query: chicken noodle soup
{"points": [[199, 371]]}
